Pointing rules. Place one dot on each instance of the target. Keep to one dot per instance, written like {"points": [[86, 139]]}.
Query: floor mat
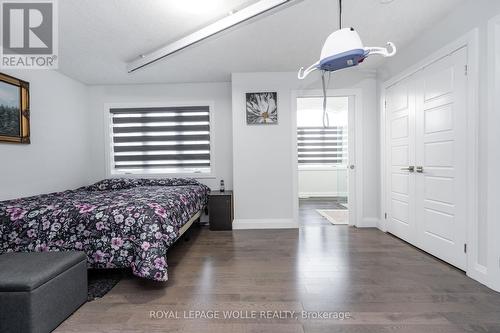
{"points": [[101, 281], [335, 216]]}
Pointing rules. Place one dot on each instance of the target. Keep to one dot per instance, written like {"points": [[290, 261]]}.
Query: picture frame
{"points": [[262, 108], [14, 110]]}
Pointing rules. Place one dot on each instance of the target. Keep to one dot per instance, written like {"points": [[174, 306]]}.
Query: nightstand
{"points": [[220, 210]]}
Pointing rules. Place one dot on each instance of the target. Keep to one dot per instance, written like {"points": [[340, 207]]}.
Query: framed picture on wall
{"points": [[262, 108], [14, 110]]}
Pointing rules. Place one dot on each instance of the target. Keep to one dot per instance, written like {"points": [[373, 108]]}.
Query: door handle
{"points": [[420, 169], [411, 168], [351, 166]]}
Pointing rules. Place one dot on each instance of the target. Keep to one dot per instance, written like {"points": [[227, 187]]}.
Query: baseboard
{"points": [[482, 275], [322, 194], [493, 284], [368, 222], [240, 224], [478, 273], [381, 225]]}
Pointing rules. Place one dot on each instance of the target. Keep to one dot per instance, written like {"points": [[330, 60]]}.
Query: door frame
{"points": [[354, 141], [493, 191], [469, 40]]}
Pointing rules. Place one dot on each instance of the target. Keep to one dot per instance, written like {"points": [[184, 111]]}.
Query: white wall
{"points": [[57, 158], [327, 182], [370, 190], [262, 155], [218, 93], [469, 15]]}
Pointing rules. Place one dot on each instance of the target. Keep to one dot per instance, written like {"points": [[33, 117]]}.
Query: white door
{"points": [[400, 138], [426, 158], [441, 158]]}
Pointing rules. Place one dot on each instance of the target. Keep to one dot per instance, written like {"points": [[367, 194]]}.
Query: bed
{"points": [[118, 223]]}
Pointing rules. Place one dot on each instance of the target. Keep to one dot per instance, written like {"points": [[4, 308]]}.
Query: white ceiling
{"points": [[97, 38]]}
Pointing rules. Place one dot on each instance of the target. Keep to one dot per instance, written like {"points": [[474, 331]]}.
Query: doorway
{"points": [[324, 159]]}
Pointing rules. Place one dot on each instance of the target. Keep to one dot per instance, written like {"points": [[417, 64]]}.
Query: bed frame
{"points": [[189, 223]]}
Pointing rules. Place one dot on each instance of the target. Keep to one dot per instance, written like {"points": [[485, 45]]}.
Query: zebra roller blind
{"points": [[161, 139], [322, 146]]}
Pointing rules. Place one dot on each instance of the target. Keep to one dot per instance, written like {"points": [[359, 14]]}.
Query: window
{"points": [[161, 140], [319, 146]]}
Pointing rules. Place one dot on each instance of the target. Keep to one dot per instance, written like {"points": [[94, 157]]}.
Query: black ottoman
{"points": [[38, 291]]}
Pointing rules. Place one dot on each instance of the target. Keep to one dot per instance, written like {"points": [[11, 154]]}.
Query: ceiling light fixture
{"points": [[237, 17]]}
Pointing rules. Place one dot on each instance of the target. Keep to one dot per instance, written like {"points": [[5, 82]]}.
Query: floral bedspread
{"points": [[116, 222]]}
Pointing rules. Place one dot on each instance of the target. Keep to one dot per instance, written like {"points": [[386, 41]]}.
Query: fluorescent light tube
{"points": [[227, 22]]}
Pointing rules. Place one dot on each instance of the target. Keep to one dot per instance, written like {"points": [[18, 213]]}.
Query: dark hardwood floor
{"points": [[384, 284]]}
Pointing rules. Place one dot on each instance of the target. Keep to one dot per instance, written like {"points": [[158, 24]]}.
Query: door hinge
{"points": [[385, 216], [465, 248], [385, 103], [466, 70]]}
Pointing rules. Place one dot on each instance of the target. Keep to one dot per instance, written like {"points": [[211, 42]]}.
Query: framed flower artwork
{"points": [[262, 108]]}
